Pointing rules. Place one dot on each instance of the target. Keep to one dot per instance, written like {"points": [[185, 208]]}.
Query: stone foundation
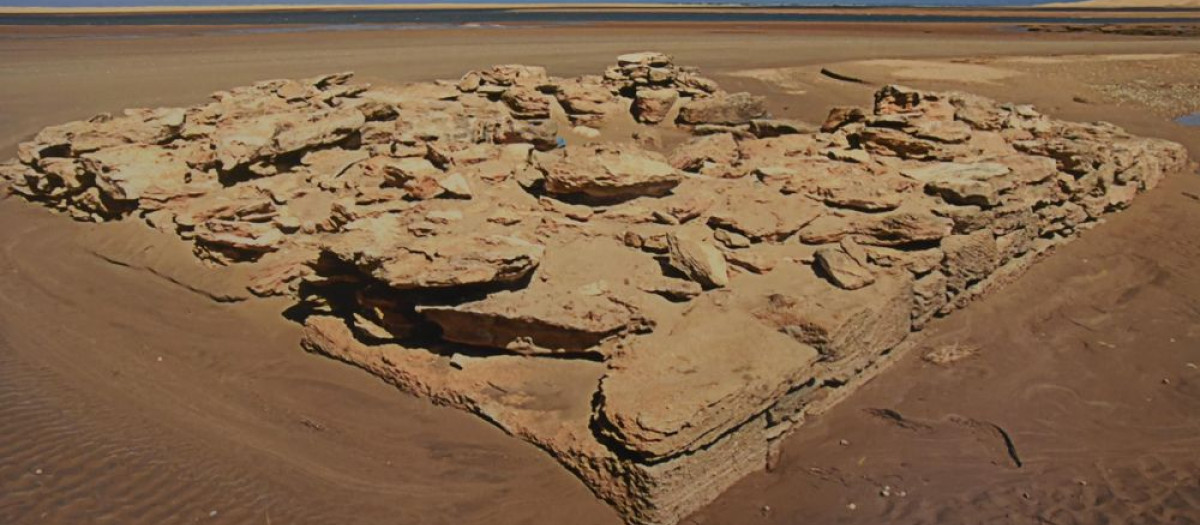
{"points": [[656, 318]]}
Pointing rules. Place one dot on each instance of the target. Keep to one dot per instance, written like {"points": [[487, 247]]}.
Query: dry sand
{"points": [[129, 398], [1127, 4]]}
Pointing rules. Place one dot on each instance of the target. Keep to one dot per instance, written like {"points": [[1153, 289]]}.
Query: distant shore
{"points": [[1154, 5], [160, 403], [314, 7], [1080, 10]]}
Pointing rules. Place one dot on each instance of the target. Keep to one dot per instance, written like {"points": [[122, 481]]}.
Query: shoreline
{"points": [[156, 391], [467, 16], [114, 34], [284, 8], [117, 32], [1084, 8]]}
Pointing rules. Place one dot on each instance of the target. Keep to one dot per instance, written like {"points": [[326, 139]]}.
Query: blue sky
{"points": [[124, 3]]}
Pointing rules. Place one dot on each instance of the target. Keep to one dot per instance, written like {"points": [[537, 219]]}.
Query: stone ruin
{"points": [[657, 310]]}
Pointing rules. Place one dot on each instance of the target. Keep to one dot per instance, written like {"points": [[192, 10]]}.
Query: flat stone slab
{"points": [[686, 369], [607, 173], [567, 322], [409, 262]]}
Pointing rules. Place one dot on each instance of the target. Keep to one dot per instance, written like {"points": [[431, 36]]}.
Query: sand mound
{"points": [[657, 318], [928, 70]]}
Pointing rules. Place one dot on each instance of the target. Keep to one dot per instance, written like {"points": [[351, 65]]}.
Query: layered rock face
{"points": [[656, 320]]}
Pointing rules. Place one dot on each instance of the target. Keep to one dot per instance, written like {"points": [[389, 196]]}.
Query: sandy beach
{"points": [[140, 386]]}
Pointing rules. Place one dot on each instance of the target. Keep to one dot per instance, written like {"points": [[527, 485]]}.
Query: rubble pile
{"points": [[657, 320]]}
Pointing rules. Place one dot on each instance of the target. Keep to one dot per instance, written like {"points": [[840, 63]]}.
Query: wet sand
{"points": [[135, 397]]}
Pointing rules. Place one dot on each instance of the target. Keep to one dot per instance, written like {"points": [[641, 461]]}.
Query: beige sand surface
{"points": [[129, 398], [1127, 4]]}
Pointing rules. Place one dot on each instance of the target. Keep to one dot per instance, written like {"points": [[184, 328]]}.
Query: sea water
{"points": [[773, 3], [467, 17], [462, 17], [1192, 119]]}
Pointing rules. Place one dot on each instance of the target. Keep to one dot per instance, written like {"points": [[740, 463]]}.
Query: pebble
{"points": [[38, 472], [212, 514], [844, 442], [851, 506]]}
